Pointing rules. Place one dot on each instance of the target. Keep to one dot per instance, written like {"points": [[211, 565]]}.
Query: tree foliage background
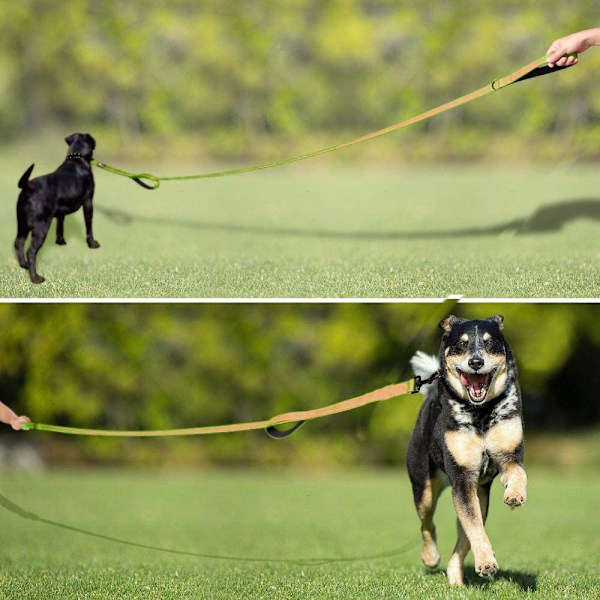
{"points": [[154, 366], [231, 79]]}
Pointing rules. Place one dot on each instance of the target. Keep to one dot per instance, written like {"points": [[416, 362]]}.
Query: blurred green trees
{"points": [[154, 366], [228, 79]]}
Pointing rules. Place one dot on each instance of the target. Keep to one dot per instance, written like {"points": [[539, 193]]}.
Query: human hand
{"points": [[18, 422], [576, 42]]}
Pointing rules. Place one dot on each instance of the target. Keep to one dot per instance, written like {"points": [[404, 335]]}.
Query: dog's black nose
{"points": [[476, 362]]}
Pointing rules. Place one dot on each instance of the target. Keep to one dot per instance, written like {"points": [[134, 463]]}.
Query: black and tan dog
{"points": [[60, 193], [469, 430]]}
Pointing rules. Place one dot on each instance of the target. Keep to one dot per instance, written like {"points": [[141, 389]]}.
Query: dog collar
{"points": [[86, 157]]}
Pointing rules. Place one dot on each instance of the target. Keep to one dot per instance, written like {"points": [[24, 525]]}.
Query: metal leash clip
{"points": [[420, 382]]}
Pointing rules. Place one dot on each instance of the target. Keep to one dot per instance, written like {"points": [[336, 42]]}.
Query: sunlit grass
{"points": [[302, 232], [124, 534]]}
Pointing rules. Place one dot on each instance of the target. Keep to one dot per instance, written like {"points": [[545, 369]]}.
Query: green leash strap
{"points": [[270, 426], [535, 68]]}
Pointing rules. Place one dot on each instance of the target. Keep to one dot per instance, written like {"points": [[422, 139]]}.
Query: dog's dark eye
{"points": [[462, 345]]}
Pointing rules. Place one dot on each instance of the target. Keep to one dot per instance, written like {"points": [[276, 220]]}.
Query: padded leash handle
{"points": [[546, 70]]}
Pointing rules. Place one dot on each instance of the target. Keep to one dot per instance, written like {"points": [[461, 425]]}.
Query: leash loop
{"points": [[154, 181], [278, 434]]}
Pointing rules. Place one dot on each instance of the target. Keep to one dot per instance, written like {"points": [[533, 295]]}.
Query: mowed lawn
{"points": [[311, 230], [125, 534]]}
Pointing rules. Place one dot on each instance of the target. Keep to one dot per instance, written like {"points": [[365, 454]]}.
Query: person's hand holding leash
{"points": [[11, 418], [570, 44]]}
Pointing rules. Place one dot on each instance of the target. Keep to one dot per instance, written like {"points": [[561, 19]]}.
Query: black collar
{"points": [[86, 157]]}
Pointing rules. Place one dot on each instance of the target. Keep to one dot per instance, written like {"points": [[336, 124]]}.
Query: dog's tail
{"points": [[424, 365], [25, 177]]}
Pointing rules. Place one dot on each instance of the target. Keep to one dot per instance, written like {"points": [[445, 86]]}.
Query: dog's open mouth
{"points": [[476, 384]]}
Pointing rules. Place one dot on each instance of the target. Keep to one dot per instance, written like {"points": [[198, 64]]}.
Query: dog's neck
{"points": [[86, 157]]}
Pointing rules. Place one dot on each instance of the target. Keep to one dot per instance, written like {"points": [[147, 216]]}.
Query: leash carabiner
{"points": [[420, 382]]}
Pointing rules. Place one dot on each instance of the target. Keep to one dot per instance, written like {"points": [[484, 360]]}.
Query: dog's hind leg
{"points": [[22, 233], [426, 504], [38, 235], [60, 230], [88, 215], [454, 570]]}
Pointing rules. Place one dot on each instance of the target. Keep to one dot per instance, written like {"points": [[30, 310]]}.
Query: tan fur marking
{"points": [[464, 337], [466, 448], [486, 336], [498, 383], [504, 437], [514, 479], [426, 500], [452, 363]]}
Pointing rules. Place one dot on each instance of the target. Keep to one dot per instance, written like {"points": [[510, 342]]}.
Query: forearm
{"points": [[592, 36]]}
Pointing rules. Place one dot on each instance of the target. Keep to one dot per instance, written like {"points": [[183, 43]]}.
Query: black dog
{"points": [[58, 194], [469, 430]]}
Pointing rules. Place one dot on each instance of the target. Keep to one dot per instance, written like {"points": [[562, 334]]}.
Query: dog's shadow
{"points": [[549, 218]]}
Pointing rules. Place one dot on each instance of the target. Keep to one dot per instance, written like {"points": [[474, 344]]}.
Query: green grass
{"points": [[309, 231], [124, 534]]}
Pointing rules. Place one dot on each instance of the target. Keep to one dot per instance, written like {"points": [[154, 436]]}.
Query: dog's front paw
{"points": [[486, 565], [514, 497], [37, 278], [61, 241], [93, 244]]}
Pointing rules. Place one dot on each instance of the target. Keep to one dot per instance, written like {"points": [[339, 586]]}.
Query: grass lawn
{"points": [[309, 231], [125, 534]]}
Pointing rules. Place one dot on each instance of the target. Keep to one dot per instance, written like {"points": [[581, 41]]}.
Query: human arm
{"points": [[576, 42]]}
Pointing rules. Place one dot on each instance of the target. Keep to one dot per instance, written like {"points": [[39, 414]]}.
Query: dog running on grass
{"points": [[60, 193], [469, 430]]}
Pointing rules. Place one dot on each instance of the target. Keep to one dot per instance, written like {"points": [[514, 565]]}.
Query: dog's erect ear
{"points": [[447, 323], [498, 319], [70, 139]]}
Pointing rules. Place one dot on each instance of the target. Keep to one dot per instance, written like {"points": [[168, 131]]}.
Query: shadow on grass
{"points": [[526, 581], [309, 562], [546, 219]]}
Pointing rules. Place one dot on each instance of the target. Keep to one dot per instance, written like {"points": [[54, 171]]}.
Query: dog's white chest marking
{"points": [[470, 449], [461, 416]]}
